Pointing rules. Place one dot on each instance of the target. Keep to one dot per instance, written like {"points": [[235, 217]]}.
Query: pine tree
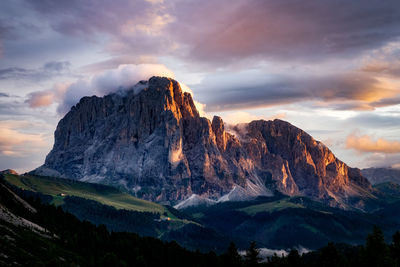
{"points": [[252, 255], [376, 250], [232, 257], [395, 248], [293, 258], [330, 256]]}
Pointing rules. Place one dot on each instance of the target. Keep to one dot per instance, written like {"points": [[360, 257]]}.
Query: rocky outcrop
{"points": [[152, 141]]}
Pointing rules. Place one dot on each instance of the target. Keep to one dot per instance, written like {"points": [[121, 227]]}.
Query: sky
{"points": [[331, 68]]}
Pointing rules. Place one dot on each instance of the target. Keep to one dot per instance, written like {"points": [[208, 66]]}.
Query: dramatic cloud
{"points": [[68, 94], [286, 29], [365, 143], [354, 90]]}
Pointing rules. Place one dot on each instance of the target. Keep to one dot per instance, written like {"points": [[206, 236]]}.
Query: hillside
{"points": [[282, 222], [118, 211], [59, 188]]}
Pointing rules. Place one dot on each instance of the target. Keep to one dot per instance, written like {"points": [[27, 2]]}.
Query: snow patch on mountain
{"points": [[195, 200]]}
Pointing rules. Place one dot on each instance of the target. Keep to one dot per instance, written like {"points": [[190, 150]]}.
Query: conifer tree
{"points": [[252, 257], [232, 257], [376, 250]]}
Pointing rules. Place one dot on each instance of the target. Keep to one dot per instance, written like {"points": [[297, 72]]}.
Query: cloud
{"points": [[284, 30], [68, 94], [380, 160], [49, 69], [384, 61], [279, 30], [131, 27], [5, 33], [365, 143], [15, 143], [4, 95], [353, 90], [40, 99], [56, 66], [373, 120], [396, 166]]}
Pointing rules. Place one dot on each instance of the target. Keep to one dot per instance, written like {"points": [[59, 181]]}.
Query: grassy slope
{"points": [[103, 194]]}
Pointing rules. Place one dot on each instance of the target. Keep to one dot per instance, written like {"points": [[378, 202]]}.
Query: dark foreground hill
{"points": [[33, 234], [118, 211], [277, 222]]}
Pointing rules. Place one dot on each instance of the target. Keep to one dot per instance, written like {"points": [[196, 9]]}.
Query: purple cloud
{"points": [[223, 31]]}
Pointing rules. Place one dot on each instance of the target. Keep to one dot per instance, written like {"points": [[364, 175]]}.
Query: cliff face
{"points": [[152, 141]]}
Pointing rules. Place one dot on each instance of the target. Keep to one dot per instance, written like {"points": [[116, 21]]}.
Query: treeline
{"points": [[375, 253]]}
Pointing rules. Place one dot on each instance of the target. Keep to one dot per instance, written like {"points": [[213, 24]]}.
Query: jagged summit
{"points": [[152, 141]]}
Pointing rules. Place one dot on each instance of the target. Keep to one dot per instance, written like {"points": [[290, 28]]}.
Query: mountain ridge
{"points": [[382, 175], [152, 141]]}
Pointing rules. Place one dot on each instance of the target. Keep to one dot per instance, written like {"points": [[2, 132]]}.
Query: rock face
{"points": [[152, 141]]}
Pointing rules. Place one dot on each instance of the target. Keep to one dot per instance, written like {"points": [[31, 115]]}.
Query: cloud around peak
{"points": [[68, 94]]}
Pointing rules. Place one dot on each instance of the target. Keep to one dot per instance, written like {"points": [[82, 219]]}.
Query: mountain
{"points": [[152, 141], [382, 175]]}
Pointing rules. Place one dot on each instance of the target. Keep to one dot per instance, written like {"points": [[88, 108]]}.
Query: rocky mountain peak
{"points": [[175, 100], [219, 131], [151, 141]]}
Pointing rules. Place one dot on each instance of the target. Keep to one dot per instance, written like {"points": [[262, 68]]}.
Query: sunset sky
{"points": [[331, 67]]}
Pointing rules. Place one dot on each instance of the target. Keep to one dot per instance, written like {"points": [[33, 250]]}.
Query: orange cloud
{"points": [[365, 143], [40, 99], [16, 143]]}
